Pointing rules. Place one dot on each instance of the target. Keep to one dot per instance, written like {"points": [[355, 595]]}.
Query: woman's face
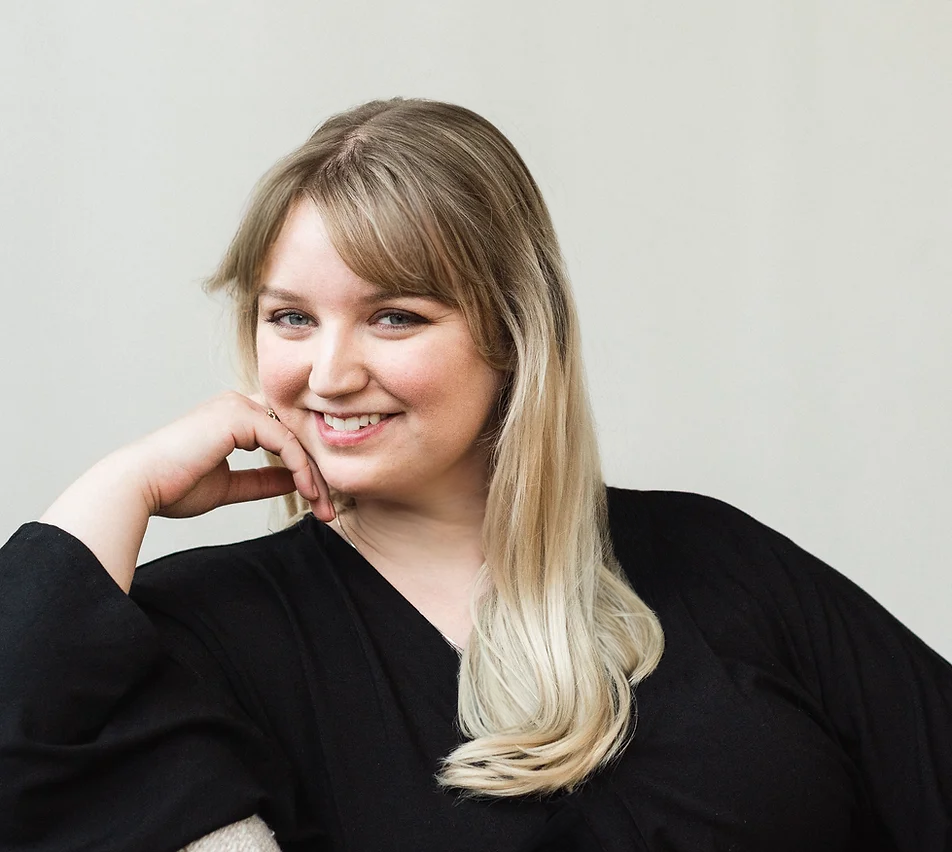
{"points": [[387, 394]]}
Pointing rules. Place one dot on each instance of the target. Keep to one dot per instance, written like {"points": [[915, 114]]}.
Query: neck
{"points": [[446, 537], [433, 558]]}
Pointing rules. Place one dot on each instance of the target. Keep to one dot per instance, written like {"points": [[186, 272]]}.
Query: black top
{"points": [[285, 676]]}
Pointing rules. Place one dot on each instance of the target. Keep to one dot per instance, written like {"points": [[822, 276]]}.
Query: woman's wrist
{"points": [[108, 509]]}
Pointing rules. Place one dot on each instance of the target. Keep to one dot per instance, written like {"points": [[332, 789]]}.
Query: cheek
{"points": [[280, 376], [430, 376], [458, 387]]}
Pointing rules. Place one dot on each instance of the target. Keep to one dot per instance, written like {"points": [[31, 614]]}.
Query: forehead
{"points": [[304, 258], [302, 250]]}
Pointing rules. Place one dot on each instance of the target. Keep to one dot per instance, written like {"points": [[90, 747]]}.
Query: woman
{"points": [[442, 652]]}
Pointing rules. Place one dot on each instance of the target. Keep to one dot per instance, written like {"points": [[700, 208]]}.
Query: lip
{"points": [[333, 438], [343, 415]]}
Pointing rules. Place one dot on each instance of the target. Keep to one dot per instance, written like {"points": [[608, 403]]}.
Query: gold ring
{"points": [[272, 415]]}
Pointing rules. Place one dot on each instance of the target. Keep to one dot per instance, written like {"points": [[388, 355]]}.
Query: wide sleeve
{"points": [[885, 693], [112, 735]]}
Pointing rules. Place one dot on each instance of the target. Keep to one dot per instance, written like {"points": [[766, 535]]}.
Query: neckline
{"points": [[457, 648], [344, 546]]}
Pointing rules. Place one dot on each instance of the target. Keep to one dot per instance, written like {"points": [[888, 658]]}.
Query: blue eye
{"points": [[291, 318], [397, 319]]}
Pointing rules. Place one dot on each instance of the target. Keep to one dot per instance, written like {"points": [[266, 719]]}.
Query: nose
{"points": [[337, 366]]}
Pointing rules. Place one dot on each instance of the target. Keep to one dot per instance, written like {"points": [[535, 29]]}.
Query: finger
{"points": [[262, 431], [261, 402], [268, 433], [307, 478], [258, 484], [324, 511], [324, 507]]}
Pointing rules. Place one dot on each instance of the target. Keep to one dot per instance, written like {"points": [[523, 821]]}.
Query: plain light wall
{"points": [[754, 200]]}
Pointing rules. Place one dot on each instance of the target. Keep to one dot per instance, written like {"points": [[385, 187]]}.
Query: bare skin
{"points": [[430, 552], [181, 471], [431, 555], [328, 345], [332, 345]]}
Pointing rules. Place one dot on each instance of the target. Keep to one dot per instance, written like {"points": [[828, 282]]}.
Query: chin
{"points": [[355, 487], [372, 486]]}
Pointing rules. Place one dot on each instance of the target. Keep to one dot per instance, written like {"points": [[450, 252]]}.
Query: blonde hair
{"points": [[429, 198]]}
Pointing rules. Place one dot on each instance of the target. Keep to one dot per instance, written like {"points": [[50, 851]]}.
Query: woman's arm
{"points": [[114, 734], [182, 471], [109, 739], [886, 694]]}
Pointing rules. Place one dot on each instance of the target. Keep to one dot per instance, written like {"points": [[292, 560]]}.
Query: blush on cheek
{"points": [[427, 375], [281, 379]]}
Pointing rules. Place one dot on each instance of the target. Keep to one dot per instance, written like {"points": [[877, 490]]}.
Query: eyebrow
{"points": [[377, 294]]}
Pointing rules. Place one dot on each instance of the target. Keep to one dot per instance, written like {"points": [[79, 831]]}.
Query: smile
{"points": [[353, 424]]}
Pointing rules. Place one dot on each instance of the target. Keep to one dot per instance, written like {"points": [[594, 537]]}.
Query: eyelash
{"points": [[410, 319]]}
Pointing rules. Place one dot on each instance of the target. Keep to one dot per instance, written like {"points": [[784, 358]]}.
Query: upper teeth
{"points": [[352, 424]]}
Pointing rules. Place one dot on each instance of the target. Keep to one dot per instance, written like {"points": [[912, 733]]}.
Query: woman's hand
{"points": [[181, 471], [185, 469]]}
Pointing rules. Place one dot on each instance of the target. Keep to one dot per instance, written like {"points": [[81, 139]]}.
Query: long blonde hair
{"points": [[428, 198]]}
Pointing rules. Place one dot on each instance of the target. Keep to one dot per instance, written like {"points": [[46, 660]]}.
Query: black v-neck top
{"points": [[284, 676]]}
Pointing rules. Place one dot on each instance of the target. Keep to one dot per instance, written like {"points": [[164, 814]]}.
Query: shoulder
{"points": [[191, 572], [682, 520], [232, 613], [691, 545], [724, 566], [676, 507], [234, 588], [711, 570]]}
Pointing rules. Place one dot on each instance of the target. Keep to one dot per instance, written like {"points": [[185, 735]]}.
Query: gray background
{"points": [[755, 202]]}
